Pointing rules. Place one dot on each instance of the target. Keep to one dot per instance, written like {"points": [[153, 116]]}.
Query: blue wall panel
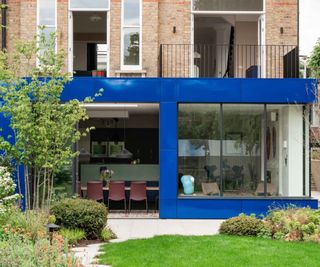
{"points": [[226, 208], [168, 159]]}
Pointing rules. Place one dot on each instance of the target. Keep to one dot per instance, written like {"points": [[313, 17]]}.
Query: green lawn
{"points": [[210, 251]]}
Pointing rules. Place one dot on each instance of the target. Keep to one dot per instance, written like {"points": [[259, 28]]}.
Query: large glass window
{"points": [[228, 5], [242, 145], [199, 148], [244, 150], [131, 34], [89, 4]]}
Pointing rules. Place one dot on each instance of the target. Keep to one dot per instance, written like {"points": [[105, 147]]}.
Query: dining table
{"points": [[127, 188]]}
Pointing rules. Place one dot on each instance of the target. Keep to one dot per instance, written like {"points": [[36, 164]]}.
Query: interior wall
{"points": [[246, 33], [80, 56], [295, 150]]}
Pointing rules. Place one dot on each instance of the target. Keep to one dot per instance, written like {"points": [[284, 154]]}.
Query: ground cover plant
{"points": [[203, 251], [289, 224]]}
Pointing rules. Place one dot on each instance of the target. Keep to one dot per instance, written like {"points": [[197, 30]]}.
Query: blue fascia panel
{"points": [[193, 90], [226, 208]]}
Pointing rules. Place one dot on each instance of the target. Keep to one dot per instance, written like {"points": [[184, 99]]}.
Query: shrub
{"points": [[294, 224], [107, 234], [17, 252], [72, 235], [29, 225], [242, 225], [88, 215]]}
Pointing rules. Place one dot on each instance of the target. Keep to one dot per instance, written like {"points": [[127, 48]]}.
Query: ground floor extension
{"points": [[213, 147]]}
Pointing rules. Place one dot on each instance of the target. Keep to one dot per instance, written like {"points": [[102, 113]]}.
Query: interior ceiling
{"points": [[212, 19], [83, 24], [142, 109]]}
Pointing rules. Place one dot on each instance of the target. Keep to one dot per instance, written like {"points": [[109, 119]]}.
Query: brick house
{"points": [[203, 97]]}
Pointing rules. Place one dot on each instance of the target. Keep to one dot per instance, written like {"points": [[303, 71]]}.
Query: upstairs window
{"points": [[47, 16], [131, 34], [228, 5], [89, 4], [47, 22]]}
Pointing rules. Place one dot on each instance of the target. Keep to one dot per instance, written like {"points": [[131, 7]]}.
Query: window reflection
{"points": [[199, 147], [131, 46], [242, 146]]}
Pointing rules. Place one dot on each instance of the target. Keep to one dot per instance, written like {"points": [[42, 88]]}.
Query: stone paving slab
{"points": [[88, 254], [145, 228]]}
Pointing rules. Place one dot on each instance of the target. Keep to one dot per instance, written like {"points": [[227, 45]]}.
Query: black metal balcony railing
{"points": [[229, 61]]}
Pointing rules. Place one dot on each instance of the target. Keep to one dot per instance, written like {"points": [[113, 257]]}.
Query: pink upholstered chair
{"points": [[138, 192], [117, 193], [95, 190]]}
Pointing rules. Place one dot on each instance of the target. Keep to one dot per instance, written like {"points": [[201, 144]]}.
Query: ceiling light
{"points": [[95, 18]]}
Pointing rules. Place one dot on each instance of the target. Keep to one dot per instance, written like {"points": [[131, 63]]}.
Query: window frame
{"points": [[127, 26], [193, 11], [264, 167], [87, 8], [48, 26]]}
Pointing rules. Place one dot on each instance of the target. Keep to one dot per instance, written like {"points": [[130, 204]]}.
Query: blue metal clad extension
{"points": [[170, 92]]}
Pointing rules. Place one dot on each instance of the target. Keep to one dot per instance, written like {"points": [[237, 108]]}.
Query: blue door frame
{"points": [[168, 93]]}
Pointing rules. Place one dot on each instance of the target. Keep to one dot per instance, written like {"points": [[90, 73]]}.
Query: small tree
{"points": [[314, 61], [44, 130]]}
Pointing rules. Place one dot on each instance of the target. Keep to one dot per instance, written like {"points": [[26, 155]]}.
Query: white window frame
{"points": [[131, 67], [54, 26], [70, 32], [195, 12], [89, 9], [229, 12]]}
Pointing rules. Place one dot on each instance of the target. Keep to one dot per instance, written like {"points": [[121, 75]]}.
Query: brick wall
{"points": [[282, 13], [159, 18], [62, 28]]}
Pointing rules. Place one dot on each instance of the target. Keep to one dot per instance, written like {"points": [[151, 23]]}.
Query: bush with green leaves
{"points": [[242, 225], [72, 236], [107, 234], [88, 215]]}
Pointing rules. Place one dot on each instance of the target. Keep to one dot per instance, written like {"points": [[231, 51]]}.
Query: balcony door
{"points": [[89, 38]]}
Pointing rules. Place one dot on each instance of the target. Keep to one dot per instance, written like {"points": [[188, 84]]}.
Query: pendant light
{"points": [[124, 153]]}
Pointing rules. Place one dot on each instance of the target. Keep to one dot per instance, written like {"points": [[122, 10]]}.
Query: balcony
{"points": [[228, 61]]}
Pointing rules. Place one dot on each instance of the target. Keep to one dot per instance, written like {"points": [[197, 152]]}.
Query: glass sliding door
{"points": [[243, 137], [199, 149]]}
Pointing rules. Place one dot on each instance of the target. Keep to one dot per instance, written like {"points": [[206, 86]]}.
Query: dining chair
{"points": [[95, 190], [117, 193], [138, 192]]}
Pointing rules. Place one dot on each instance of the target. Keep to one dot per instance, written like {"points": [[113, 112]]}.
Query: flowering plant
{"points": [[106, 174], [7, 189]]}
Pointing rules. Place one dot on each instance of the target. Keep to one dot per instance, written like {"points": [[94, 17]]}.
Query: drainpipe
{"points": [[4, 24]]}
